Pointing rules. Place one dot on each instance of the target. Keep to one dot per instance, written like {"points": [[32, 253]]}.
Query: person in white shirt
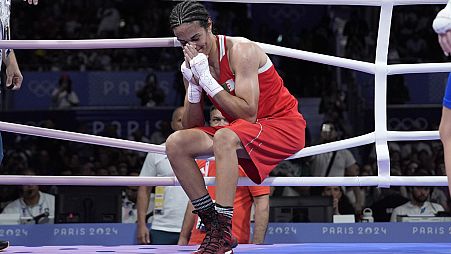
{"points": [[337, 163], [129, 204], [32, 204], [418, 205], [129, 196], [170, 202]]}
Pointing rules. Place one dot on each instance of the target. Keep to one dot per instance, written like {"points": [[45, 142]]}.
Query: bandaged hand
{"points": [[194, 91], [442, 26], [201, 70], [186, 72], [442, 22]]}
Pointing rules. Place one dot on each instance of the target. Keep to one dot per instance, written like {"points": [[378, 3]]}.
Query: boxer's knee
{"points": [[174, 145], [226, 140]]}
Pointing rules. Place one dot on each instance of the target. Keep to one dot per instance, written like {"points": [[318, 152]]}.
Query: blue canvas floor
{"points": [[317, 248]]}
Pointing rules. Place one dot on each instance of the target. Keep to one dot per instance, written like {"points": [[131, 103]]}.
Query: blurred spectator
{"points": [[440, 197], [418, 204], [341, 202], [356, 29], [129, 197], [163, 131], [123, 169], [63, 96], [417, 46], [110, 19], [72, 26], [333, 106], [102, 172], [397, 92], [151, 94], [111, 130], [112, 170], [32, 203], [129, 212], [138, 136], [290, 168], [388, 200], [436, 194], [87, 169], [337, 163]]}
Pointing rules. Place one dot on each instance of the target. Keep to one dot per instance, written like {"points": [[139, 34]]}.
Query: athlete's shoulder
{"points": [[246, 51], [240, 43]]}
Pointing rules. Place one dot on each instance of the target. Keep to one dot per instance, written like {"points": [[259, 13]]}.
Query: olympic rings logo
{"points": [[408, 124], [41, 88]]}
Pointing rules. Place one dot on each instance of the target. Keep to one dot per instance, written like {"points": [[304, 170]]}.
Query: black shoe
{"points": [[4, 244]]}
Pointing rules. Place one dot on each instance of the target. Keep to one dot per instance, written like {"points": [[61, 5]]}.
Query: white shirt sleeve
{"points": [[394, 214], [73, 98], [437, 207], [349, 158], [13, 207], [49, 203], [149, 167]]}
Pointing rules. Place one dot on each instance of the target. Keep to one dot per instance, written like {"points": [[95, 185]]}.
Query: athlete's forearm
{"points": [[236, 107], [193, 115], [10, 59], [187, 226], [142, 203], [261, 218]]}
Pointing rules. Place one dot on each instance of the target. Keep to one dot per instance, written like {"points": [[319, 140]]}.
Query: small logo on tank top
{"points": [[229, 85]]}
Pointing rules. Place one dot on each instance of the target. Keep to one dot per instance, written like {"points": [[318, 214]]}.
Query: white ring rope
{"points": [[412, 135], [243, 181], [394, 69], [336, 2], [380, 136], [319, 58], [90, 44], [380, 91], [172, 42], [159, 149], [82, 138]]}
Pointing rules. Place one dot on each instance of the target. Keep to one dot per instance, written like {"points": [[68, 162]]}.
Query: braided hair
{"points": [[188, 11]]}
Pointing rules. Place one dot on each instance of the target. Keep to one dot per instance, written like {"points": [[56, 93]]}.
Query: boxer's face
{"points": [[194, 34]]}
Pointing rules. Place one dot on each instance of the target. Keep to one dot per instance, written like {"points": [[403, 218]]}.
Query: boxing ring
{"points": [[245, 249], [380, 137]]}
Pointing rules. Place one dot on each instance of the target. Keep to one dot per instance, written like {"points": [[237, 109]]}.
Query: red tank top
{"points": [[274, 101]]}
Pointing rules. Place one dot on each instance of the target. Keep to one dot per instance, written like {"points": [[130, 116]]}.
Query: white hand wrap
{"points": [[200, 69], [186, 72], [194, 91], [442, 22]]}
